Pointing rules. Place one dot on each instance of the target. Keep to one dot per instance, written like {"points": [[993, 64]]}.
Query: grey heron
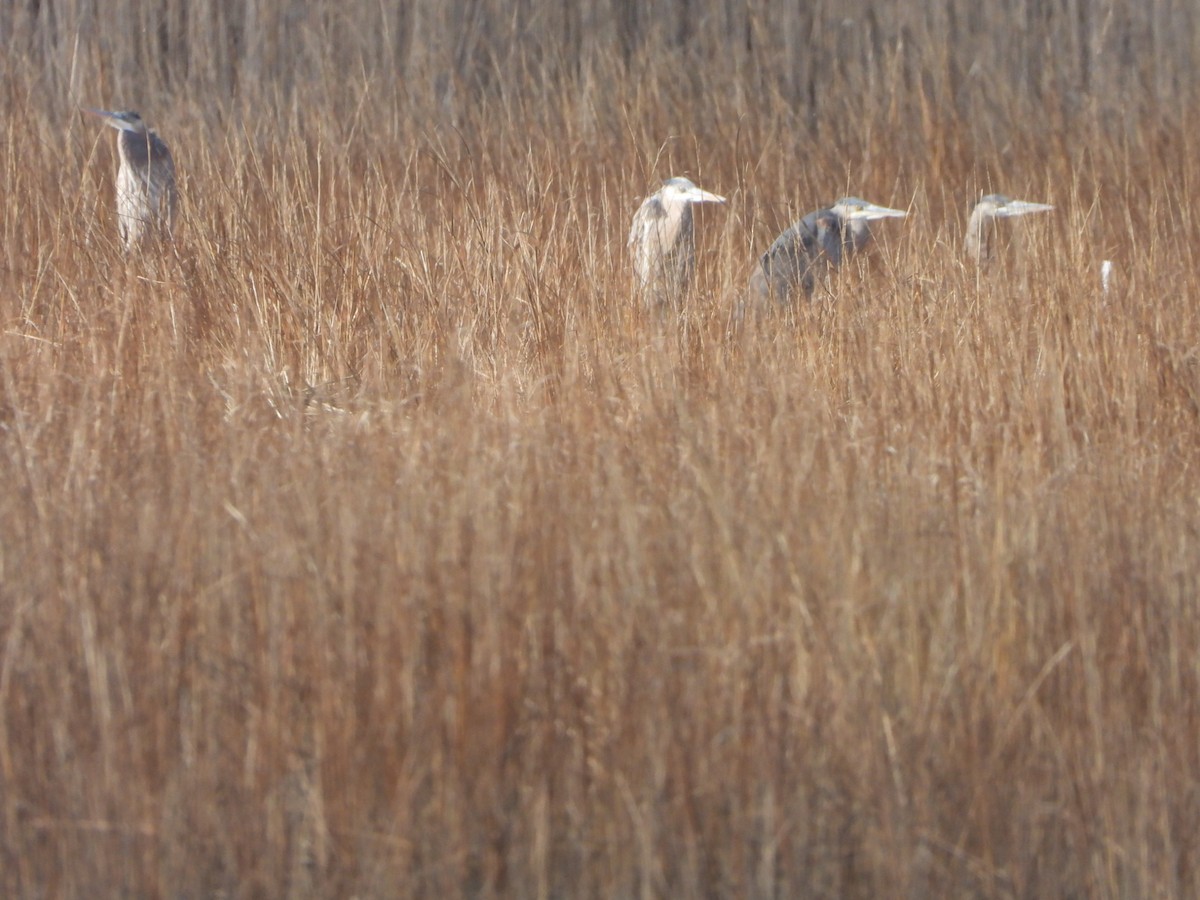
{"points": [[146, 193], [662, 239], [815, 243], [981, 228]]}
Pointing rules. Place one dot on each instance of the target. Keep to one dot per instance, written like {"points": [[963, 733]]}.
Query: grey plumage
{"points": [[662, 240], [856, 233], [798, 255], [147, 198], [981, 228], [815, 244]]}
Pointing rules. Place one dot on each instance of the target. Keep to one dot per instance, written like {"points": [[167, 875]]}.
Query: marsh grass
{"points": [[372, 541]]}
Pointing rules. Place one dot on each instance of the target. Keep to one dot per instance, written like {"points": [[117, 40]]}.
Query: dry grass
{"points": [[373, 543]]}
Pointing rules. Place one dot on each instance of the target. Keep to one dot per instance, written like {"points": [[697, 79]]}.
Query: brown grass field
{"points": [[371, 541]]}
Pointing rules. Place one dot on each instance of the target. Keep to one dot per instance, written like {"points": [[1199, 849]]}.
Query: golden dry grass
{"points": [[372, 542]]}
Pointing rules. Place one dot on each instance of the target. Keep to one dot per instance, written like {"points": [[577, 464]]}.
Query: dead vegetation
{"points": [[372, 542]]}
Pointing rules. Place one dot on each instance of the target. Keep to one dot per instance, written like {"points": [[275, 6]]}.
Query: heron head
{"points": [[683, 190], [856, 208], [1001, 207], [122, 120]]}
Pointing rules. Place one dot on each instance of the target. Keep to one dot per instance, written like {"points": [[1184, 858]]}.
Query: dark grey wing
{"points": [[792, 260], [782, 263], [148, 193], [164, 196]]}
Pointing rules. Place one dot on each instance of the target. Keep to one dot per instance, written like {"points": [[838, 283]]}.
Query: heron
{"points": [[817, 242], [146, 194], [662, 239], [981, 228]]}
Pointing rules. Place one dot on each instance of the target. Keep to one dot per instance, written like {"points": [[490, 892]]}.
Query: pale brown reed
{"points": [[371, 541]]}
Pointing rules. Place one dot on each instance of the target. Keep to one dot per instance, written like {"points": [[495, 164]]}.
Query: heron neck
{"points": [[138, 148], [979, 236]]}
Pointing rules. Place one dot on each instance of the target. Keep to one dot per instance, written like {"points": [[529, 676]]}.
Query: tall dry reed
{"points": [[372, 542]]}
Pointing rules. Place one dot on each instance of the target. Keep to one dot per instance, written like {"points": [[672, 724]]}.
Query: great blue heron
{"points": [[662, 239], [981, 228], [816, 242], [146, 194]]}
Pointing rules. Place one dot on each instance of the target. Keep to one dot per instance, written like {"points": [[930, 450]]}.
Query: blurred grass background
{"points": [[372, 542]]}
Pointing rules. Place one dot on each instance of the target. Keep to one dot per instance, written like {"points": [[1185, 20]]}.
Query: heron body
{"points": [[815, 244], [662, 240], [810, 246], [981, 228], [147, 199]]}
